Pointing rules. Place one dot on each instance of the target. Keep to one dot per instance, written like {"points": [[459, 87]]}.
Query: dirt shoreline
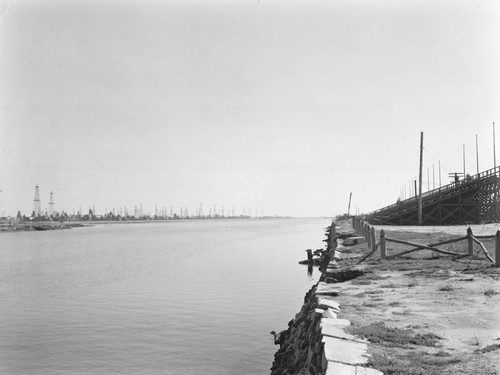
{"points": [[456, 299]]}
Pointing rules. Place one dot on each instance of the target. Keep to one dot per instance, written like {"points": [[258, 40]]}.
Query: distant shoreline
{"points": [[28, 226]]}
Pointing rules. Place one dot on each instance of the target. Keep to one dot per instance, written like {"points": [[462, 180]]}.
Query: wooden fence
{"points": [[368, 231]]}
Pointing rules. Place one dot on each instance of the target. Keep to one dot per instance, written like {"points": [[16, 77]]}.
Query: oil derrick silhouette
{"points": [[51, 204], [37, 203]]}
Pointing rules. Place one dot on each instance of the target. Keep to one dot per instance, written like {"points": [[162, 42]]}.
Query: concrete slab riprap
{"points": [[338, 332], [319, 311], [344, 351], [327, 289], [329, 313], [325, 303], [335, 368], [335, 322]]}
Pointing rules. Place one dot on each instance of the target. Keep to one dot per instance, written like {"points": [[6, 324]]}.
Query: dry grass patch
{"points": [[490, 348], [411, 362], [490, 293], [446, 288], [381, 334]]}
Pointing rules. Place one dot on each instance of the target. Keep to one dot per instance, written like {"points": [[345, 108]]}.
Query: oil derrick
{"points": [[51, 204], [37, 203]]}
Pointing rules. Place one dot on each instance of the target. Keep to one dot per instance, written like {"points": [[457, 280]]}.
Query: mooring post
{"points": [[373, 239], [470, 242], [368, 237], [497, 249], [383, 252], [309, 255]]}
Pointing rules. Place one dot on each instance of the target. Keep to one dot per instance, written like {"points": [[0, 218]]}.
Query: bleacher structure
{"points": [[472, 200]]}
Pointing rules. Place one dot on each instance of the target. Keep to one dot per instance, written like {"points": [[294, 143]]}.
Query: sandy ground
{"points": [[456, 299]]}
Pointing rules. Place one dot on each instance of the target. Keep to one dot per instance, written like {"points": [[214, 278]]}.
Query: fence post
{"points": [[382, 244], [497, 249], [373, 239], [368, 237], [470, 242]]}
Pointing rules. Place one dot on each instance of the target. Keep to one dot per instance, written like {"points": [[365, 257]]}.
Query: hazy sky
{"points": [[281, 106]]}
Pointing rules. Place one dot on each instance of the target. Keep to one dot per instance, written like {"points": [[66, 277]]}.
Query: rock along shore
{"points": [[315, 342]]}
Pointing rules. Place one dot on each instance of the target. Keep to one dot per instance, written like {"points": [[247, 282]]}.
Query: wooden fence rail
{"points": [[368, 231]]}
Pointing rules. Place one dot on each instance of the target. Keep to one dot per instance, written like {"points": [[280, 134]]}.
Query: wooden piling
{"points": [[383, 251], [470, 242], [373, 240]]}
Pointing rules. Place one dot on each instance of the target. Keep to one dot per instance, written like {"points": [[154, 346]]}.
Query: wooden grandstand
{"points": [[472, 200]]}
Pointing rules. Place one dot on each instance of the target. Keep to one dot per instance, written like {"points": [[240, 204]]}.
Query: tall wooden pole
{"points": [[428, 180], [420, 178], [433, 177], [439, 165], [349, 207], [464, 157], [494, 150], [477, 157]]}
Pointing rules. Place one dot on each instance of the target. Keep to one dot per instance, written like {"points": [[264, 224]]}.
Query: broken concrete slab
{"points": [[327, 289], [334, 321], [330, 314], [338, 332], [344, 351], [325, 303], [335, 368], [319, 311]]}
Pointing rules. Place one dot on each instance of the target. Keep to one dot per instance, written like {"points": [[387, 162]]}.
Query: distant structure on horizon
{"points": [[37, 203], [51, 204]]}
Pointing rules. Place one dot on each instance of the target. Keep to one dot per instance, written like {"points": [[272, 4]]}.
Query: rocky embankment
{"points": [[316, 342]]}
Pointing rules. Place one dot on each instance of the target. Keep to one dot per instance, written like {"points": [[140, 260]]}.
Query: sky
{"points": [[284, 107]]}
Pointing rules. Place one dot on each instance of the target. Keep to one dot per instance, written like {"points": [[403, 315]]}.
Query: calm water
{"points": [[165, 298]]}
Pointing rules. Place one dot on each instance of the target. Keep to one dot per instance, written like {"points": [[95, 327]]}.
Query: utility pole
{"points": [[349, 206], [439, 164], [494, 150], [428, 180], [464, 158], [420, 178], [477, 157], [433, 177]]}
